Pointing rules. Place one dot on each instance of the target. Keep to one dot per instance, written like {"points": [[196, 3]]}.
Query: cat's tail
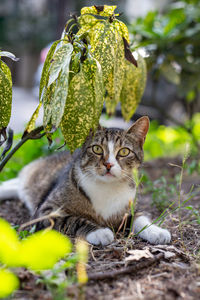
{"points": [[9, 189]]}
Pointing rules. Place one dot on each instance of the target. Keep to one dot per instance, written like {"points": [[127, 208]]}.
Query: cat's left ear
{"points": [[99, 127], [140, 128]]}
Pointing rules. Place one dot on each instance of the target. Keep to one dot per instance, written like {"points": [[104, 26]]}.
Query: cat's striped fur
{"points": [[91, 190]]}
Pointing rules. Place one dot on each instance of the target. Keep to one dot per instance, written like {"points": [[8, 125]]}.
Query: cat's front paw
{"points": [[102, 236], [156, 235]]}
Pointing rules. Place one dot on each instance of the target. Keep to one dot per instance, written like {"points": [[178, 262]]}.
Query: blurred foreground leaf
{"points": [[10, 245], [8, 283], [43, 249]]}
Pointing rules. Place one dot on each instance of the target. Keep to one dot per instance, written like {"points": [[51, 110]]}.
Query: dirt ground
{"points": [[171, 272]]}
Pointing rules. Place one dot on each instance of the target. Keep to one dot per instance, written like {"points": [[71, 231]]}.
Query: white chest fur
{"points": [[108, 199]]}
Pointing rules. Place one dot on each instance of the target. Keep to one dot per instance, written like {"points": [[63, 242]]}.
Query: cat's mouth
{"points": [[109, 174]]}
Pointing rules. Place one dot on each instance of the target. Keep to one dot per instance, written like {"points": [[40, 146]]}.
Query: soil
{"points": [[158, 277]]}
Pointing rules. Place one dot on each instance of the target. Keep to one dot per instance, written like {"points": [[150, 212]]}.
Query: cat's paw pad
{"points": [[102, 236], [157, 235]]}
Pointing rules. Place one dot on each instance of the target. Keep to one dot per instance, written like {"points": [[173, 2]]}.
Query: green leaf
{"points": [[10, 246], [43, 249], [122, 29], [108, 49], [5, 95], [56, 94], [31, 124], [8, 283], [61, 61], [46, 99], [133, 87], [103, 42], [8, 54], [86, 22], [104, 10], [6, 71], [84, 104], [45, 70], [115, 80]]}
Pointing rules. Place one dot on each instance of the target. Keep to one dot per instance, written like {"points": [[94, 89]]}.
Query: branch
{"points": [[126, 270], [34, 134]]}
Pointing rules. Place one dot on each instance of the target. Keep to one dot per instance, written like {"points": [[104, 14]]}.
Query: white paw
{"points": [[103, 237], [156, 235]]}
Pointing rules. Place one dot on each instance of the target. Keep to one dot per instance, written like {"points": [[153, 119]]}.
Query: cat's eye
{"points": [[97, 149], [123, 152]]}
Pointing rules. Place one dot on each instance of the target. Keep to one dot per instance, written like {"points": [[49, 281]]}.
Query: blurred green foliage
{"points": [[163, 141], [172, 42], [38, 252]]}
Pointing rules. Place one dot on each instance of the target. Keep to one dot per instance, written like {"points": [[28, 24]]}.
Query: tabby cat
{"points": [[90, 190]]}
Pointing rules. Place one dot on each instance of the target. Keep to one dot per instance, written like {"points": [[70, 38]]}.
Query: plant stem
{"points": [[34, 134]]}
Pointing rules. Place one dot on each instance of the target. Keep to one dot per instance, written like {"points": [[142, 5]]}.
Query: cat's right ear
{"points": [[140, 128]]}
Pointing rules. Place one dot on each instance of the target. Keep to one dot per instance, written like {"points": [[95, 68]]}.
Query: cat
{"points": [[91, 189]]}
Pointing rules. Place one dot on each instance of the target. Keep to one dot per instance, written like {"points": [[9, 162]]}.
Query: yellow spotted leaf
{"points": [[5, 95], [122, 29], [103, 10], [84, 104], [60, 61], [55, 95], [31, 124], [45, 70], [114, 79], [103, 42], [86, 22], [133, 87]]}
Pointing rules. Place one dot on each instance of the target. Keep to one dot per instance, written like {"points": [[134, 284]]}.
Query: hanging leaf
{"points": [[6, 71], [5, 95], [84, 104], [8, 54], [103, 42], [61, 60], [133, 87], [122, 29], [103, 10], [115, 80], [86, 22], [47, 64], [98, 93], [56, 94], [31, 124]]}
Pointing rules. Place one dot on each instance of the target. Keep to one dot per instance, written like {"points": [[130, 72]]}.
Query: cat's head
{"points": [[112, 153]]}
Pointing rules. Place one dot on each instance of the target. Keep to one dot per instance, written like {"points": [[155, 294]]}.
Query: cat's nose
{"points": [[108, 165]]}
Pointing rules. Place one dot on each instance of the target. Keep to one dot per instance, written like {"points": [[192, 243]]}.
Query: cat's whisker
{"points": [[128, 176]]}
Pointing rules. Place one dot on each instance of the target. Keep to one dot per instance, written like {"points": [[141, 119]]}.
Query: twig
{"points": [[53, 214], [125, 270], [92, 253], [34, 134]]}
